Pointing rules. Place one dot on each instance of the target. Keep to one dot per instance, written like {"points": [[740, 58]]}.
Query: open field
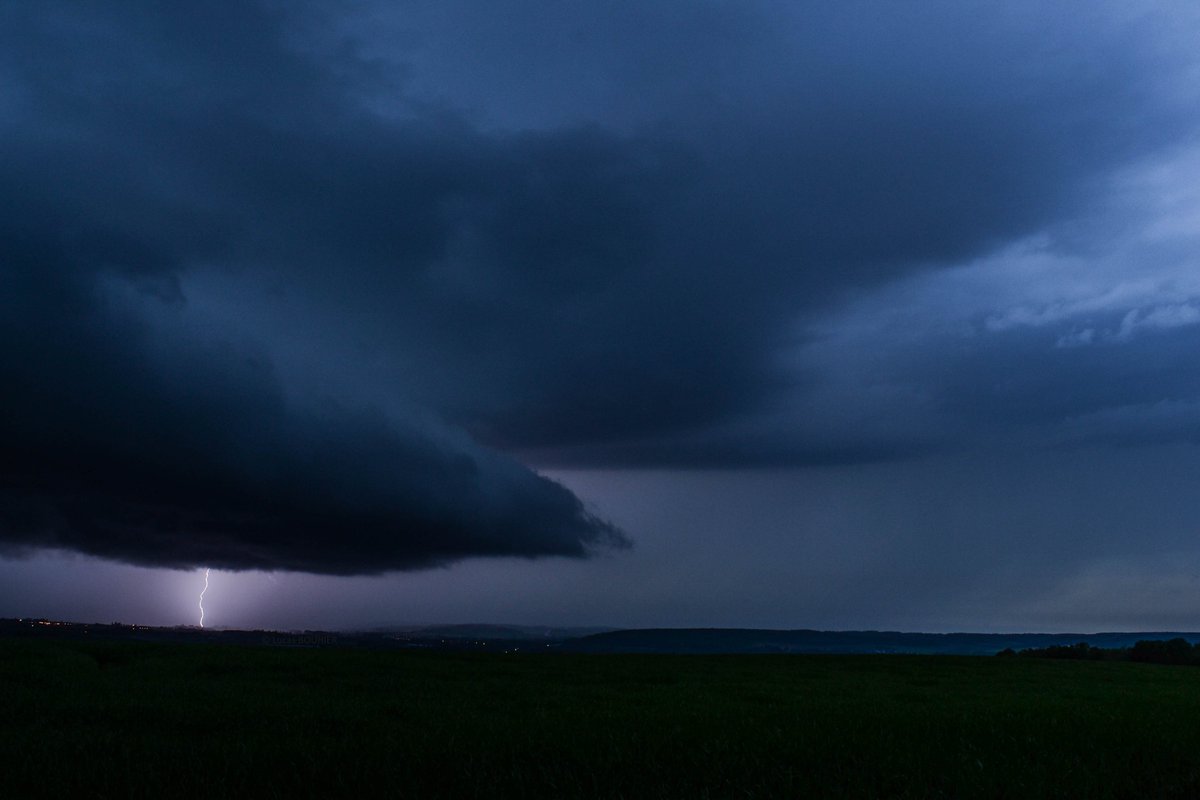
{"points": [[120, 719]]}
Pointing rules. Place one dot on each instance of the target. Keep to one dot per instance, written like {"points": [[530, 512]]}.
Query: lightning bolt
{"points": [[202, 591]]}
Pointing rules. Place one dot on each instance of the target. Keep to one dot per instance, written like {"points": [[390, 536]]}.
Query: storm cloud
{"points": [[122, 443], [290, 288]]}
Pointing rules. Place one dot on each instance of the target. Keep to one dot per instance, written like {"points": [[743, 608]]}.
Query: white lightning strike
{"points": [[202, 591]]}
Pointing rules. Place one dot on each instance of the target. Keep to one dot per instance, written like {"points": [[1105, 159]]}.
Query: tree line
{"points": [[1172, 651]]}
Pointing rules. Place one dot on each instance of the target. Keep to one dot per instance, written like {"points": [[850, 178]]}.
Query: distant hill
{"points": [[743, 640], [498, 632], [526, 638], [482, 638]]}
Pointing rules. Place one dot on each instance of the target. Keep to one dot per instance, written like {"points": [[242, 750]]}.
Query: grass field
{"points": [[130, 720]]}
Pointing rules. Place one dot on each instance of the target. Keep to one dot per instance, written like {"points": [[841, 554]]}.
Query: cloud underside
{"points": [[185, 455], [286, 290]]}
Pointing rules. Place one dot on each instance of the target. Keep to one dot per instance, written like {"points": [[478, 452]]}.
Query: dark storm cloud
{"points": [[176, 453], [124, 441], [594, 250], [804, 157]]}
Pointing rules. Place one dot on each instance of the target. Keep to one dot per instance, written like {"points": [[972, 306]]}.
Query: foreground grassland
{"points": [[130, 720]]}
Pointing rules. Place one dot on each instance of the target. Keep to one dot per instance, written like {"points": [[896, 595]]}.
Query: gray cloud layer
{"points": [[174, 453], [275, 279]]}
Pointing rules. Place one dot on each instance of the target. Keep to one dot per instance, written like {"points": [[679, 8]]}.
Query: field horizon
{"points": [[510, 637]]}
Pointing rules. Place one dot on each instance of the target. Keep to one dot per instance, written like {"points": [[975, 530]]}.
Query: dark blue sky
{"points": [[800, 315]]}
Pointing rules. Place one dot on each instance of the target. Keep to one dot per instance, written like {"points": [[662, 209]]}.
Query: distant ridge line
{"points": [[527, 639], [760, 640]]}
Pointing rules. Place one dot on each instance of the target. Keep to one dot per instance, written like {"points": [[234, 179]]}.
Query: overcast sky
{"points": [[678, 313]]}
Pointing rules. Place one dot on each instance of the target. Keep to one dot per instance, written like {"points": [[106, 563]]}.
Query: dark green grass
{"points": [[129, 720]]}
